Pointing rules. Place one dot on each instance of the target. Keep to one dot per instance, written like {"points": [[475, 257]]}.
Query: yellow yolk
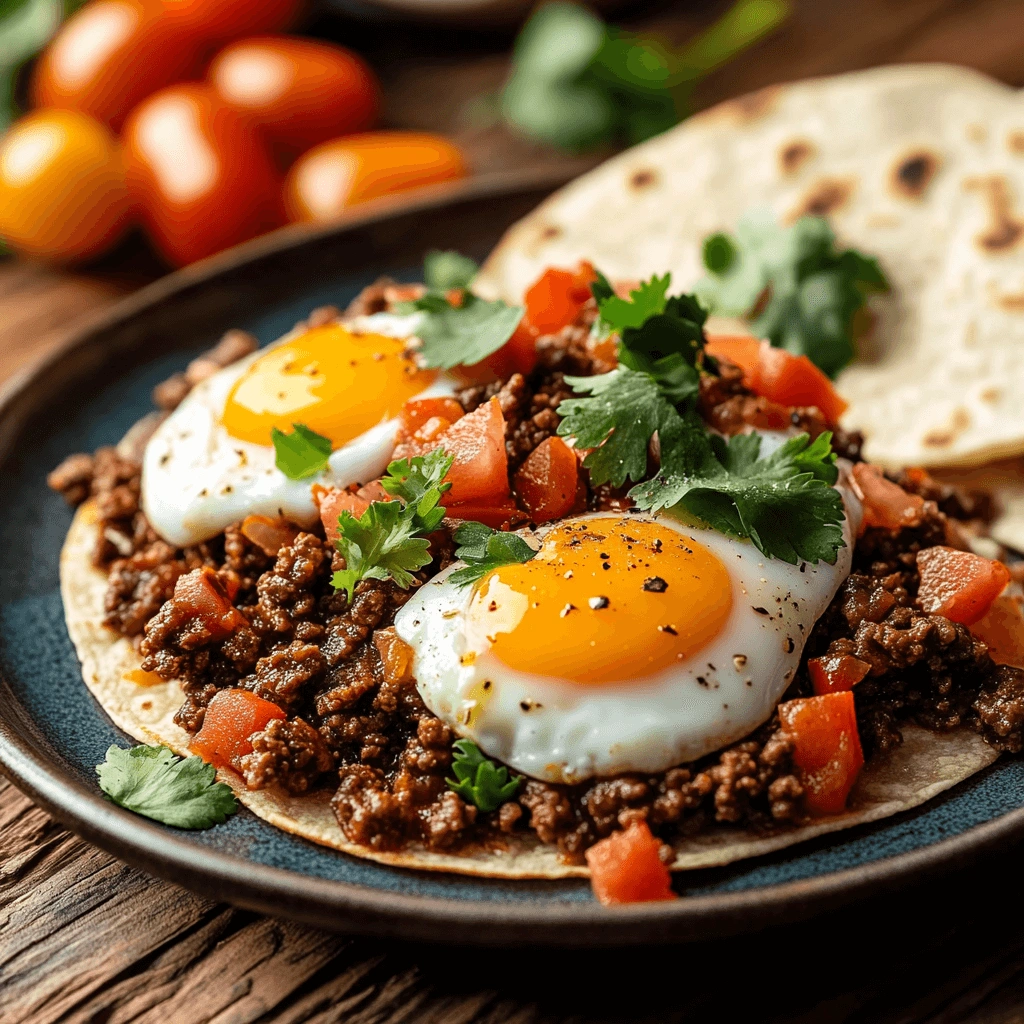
{"points": [[337, 383], [604, 600]]}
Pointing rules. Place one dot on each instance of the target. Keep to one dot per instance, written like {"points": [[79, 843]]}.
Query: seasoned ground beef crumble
{"points": [[353, 729]]}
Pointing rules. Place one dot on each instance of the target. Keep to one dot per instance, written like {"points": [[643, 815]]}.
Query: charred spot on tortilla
{"points": [[913, 173], [1010, 302], [825, 197], [642, 178], [976, 132], [943, 437], [753, 106], [1004, 228], [550, 231], [1015, 141], [793, 155]]}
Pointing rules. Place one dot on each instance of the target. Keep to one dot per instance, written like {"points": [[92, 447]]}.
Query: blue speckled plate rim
{"points": [[304, 897]]}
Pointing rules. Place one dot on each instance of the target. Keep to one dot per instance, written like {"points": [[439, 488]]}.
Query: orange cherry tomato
{"points": [[546, 481], [109, 56], [63, 196], [555, 299], [625, 868], [958, 584], [200, 176], [337, 175], [230, 720], [298, 91], [826, 748], [215, 21], [779, 375], [837, 672]]}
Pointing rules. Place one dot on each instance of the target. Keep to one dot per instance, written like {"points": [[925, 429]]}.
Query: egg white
{"points": [[561, 731], [197, 479]]}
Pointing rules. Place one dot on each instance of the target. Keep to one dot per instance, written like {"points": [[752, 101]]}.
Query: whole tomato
{"points": [[299, 91], [62, 187], [110, 55], [220, 20], [337, 175], [199, 174]]}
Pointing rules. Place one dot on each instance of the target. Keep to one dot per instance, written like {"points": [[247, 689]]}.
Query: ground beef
{"points": [[291, 754]]}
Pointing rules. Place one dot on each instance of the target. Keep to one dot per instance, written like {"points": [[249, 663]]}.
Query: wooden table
{"points": [[85, 938]]}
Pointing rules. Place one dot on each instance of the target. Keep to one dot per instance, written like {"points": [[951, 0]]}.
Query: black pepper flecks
{"points": [[762, 611], [668, 629], [655, 585]]}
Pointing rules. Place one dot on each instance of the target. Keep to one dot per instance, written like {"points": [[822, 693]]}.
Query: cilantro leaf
{"points": [[463, 335], [302, 453], [449, 269], [152, 781], [479, 780], [809, 290], [484, 549], [784, 502], [625, 409], [418, 483], [644, 301]]}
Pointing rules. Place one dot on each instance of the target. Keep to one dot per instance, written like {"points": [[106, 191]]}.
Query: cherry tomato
{"points": [[300, 92], [214, 21], [62, 187], [201, 177], [337, 175], [110, 55]]}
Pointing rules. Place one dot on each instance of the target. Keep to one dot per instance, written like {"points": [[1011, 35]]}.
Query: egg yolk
{"points": [[337, 383], [604, 600]]}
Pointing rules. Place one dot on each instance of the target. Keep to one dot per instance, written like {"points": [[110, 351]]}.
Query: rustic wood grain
{"points": [[84, 938]]}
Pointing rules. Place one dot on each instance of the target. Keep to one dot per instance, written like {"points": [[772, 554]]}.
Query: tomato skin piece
{"points": [[886, 504], [200, 176], [299, 92], [109, 56], [546, 481], [335, 176], [959, 584], [827, 748], [555, 299], [836, 673], [1001, 629], [625, 868], [71, 204], [779, 375], [216, 21], [230, 720]]}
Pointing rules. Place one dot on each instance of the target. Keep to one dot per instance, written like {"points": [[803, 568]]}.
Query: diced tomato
{"points": [[230, 720], [206, 596], [547, 480], [1001, 628], [269, 534], [480, 470], [959, 584], [502, 515], [837, 672], [418, 411], [779, 375], [827, 750], [625, 868], [886, 504], [332, 501], [555, 299], [517, 355]]}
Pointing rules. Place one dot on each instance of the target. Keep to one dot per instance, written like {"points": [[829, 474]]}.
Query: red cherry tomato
{"points": [[200, 176], [215, 21], [300, 92], [110, 55], [337, 175]]}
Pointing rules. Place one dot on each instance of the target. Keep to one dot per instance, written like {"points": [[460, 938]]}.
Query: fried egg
{"points": [[212, 462], [630, 642]]}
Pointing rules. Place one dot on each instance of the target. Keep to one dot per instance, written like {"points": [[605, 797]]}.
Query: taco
{"points": [[573, 586]]}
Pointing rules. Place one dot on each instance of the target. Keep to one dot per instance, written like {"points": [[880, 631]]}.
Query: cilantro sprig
{"points": [[458, 328], [484, 549], [302, 453], [154, 782], [388, 540], [479, 780], [797, 288]]}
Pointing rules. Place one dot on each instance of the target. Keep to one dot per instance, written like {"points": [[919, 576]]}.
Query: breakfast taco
{"points": [[557, 583]]}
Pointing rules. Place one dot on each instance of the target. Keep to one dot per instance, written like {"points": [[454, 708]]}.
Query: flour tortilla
{"points": [[925, 765], [941, 379]]}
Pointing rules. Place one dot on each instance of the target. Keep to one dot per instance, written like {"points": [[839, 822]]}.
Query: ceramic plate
{"points": [[52, 733]]}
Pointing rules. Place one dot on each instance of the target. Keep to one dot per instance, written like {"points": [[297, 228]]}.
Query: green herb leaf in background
{"points": [[302, 453], [26, 26], [449, 269], [578, 83], [478, 780], [154, 782], [484, 549], [796, 287]]}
